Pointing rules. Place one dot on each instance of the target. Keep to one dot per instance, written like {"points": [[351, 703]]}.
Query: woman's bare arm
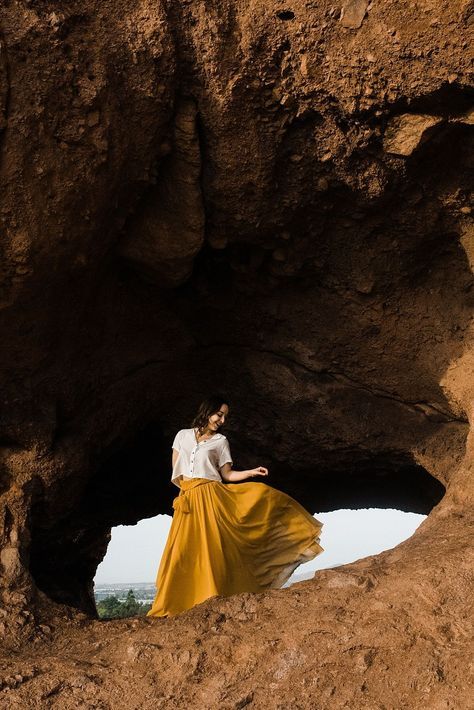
{"points": [[174, 457], [233, 476]]}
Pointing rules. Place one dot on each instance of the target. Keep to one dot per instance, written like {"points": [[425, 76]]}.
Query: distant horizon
{"points": [[152, 582], [348, 535]]}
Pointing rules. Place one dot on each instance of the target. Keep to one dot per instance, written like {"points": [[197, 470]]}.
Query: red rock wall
{"points": [[272, 200]]}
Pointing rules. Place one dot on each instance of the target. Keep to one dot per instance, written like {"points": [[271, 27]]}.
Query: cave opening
{"points": [[134, 553], [68, 543]]}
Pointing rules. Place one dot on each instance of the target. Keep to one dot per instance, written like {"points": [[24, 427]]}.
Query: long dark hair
{"points": [[207, 408]]}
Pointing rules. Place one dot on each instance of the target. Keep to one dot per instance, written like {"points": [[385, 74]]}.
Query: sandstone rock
{"points": [[167, 232], [467, 118], [4, 85], [353, 13], [10, 561], [406, 132], [139, 138]]}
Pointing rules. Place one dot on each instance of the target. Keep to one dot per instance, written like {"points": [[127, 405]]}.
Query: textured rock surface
{"points": [[331, 294], [406, 132]]}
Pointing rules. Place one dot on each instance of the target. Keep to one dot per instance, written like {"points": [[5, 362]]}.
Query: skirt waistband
{"points": [[186, 485], [180, 502]]}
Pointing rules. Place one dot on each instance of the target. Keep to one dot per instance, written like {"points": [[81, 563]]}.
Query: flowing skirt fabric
{"points": [[227, 538]]}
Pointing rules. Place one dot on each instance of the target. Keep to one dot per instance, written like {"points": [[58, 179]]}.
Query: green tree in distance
{"points": [[113, 608]]}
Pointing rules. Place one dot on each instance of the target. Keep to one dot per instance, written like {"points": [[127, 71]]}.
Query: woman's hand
{"points": [[259, 471], [231, 476]]}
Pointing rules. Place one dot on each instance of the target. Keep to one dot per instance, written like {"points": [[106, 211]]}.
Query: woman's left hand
{"points": [[259, 471]]}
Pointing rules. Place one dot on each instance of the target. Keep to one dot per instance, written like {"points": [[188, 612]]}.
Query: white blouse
{"points": [[199, 460]]}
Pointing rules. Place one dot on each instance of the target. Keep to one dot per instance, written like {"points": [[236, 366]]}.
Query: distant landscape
{"points": [[144, 592]]}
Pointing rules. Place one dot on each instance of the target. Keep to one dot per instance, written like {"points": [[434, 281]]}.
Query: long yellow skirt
{"points": [[227, 538]]}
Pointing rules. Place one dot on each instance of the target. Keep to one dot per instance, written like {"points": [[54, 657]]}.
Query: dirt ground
{"points": [[270, 199]]}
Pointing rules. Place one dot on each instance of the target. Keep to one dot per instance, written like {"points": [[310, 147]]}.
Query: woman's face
{"points": [[217, 420]]}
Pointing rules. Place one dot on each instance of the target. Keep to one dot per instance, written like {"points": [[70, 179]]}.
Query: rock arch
{"points": [[322, 273]]}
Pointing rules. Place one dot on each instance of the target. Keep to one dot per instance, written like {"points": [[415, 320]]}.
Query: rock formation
{"points": [[268, 199]]}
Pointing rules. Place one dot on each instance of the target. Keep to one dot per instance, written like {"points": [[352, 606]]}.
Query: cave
{"points": [[270, 201], [128, 485]]}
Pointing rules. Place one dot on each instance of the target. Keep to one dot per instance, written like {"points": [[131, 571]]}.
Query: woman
{"points": [[230, 537]]}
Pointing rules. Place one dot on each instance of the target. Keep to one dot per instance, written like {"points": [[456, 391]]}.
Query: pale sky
{"points": [[134, 551]]}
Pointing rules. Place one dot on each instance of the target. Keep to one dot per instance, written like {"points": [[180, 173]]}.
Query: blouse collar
{"points": [[211, 438]]}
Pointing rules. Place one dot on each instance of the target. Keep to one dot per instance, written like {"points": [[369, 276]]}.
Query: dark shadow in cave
{"points": [[126, 486], [131, 482], [448, 101], [383, 481]]}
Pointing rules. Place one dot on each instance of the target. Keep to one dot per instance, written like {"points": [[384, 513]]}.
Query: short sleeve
{"points": [[177, 441], [225, 456]]}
